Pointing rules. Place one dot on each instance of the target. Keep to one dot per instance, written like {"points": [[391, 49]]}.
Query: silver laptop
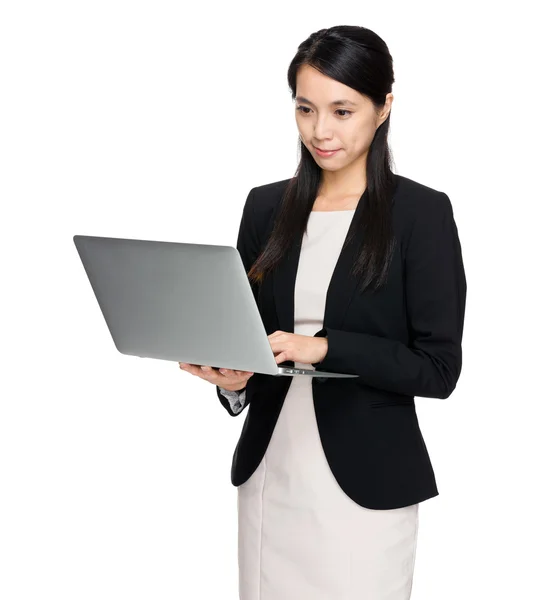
{"points": [[180, 302]]}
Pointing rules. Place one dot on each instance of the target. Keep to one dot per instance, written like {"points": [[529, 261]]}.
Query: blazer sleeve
{"points": [[435, 294], [248, 246]]}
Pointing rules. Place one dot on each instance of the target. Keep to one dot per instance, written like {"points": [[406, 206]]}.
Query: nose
{"points": [[321, 130]]}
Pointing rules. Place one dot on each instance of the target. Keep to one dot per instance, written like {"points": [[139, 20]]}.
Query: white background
{"points": [[153, 120]]}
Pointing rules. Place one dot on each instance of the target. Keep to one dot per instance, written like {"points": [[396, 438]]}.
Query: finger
{"points": [[191, 368], [233, 373], [280, 357], [226, 375], [214, 375], [244, 373], [226, 372], [209, 373]]}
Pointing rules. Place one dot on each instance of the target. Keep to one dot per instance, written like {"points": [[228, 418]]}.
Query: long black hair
{"points": [[360, 59]]}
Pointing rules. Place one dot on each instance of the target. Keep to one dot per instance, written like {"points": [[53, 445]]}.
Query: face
{"points": [[348, 128]]}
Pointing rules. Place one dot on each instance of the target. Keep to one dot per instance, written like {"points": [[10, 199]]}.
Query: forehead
{"points": [[313, 87]]}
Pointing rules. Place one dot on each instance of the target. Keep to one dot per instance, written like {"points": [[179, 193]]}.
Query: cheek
{"points": [[360, 136], [303, 135], [365, 130]]}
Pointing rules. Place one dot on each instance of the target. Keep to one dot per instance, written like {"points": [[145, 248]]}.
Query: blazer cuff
{"points": [[322, 365], [235, 399]]}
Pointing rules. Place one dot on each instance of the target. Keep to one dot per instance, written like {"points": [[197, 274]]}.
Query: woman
{"points": [[355, 270]]}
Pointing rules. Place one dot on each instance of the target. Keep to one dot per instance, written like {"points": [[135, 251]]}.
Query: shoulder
{"points": [[420, 212], [269, 195], [259, 210], [264, 199], [413, 200], [424, 215]]}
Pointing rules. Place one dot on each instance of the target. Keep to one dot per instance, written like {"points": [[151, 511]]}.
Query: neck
{"points": [[346, 183]]}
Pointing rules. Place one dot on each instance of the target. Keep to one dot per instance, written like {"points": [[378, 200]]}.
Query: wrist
{"points": [[233, 389], [324, 345]]}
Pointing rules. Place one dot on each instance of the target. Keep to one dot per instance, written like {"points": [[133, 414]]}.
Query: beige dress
{"points": [[300, 536]]}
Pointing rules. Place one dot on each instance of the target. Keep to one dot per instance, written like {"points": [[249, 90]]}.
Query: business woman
{"points": [[358, 270]]}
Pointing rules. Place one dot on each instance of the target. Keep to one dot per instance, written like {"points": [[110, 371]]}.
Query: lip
{"points": [[326, 153]]}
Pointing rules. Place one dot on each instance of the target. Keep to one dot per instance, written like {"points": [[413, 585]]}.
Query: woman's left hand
{"points": [[298, 348]]}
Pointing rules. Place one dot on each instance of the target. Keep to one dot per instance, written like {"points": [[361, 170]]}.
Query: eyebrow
{"points": [[343, 102]]}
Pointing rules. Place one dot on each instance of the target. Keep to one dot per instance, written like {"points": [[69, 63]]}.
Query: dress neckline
{"points": [[334, 211]]}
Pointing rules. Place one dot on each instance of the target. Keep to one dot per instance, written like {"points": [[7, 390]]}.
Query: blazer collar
{"points": [[340, 289]]}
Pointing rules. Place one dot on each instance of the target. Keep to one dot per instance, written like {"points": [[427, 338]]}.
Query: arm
{"points": [[435, 288], [248, 245]]}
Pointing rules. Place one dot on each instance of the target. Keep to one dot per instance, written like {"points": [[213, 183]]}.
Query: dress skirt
{"points": [[300, 537]]}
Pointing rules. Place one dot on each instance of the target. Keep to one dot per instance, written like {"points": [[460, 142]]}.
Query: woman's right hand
{"points": [[228, 379]]}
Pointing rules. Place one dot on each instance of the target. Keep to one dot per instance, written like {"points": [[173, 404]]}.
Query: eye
{"points": [[341, 110]]}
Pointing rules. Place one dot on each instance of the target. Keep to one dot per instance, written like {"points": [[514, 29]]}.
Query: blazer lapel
{"points": [[340, 289]]}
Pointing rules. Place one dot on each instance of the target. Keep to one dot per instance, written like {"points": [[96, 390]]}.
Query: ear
{"points": [[386, 110]]}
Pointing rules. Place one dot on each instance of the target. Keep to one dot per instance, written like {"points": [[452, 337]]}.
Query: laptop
{"points": [[181, 302]]}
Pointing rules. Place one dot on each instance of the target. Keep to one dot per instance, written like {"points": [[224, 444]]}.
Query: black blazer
{"points": [[403, 341]]}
